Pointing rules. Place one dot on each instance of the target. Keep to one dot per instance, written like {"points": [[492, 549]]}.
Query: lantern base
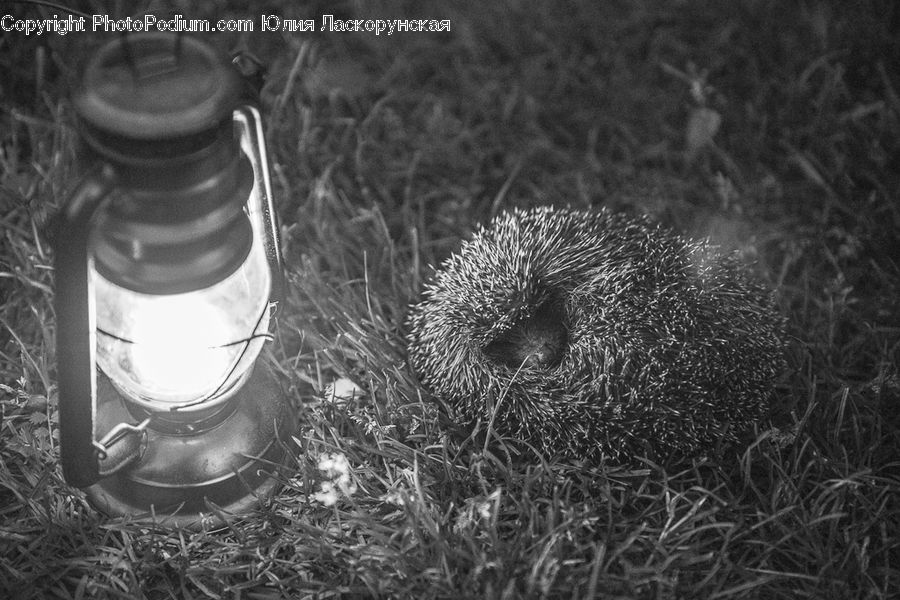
{"points": [[196, 479]]}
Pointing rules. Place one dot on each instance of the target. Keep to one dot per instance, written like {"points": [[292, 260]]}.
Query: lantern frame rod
{"points": [[76, 334]]}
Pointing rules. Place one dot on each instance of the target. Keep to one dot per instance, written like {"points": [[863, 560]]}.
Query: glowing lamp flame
{"points": [[176, 345]]}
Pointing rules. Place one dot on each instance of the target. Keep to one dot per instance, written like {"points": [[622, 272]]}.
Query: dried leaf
{"points": [[703, 124], [342, 391]]}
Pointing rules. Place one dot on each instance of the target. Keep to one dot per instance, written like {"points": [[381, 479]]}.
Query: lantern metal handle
{"points": [[75, 333], [248, 116]]}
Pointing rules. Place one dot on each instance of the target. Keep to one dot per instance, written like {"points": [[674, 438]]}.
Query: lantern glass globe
{"points": [[164, 350]]}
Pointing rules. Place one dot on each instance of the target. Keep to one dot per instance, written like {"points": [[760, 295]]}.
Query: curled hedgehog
{"points": [[593, 335]]}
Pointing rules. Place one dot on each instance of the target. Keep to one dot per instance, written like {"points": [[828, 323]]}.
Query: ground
{"points": [[770, 127]]}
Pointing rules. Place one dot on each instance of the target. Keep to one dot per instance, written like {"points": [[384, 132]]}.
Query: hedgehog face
{"points": [[535, 342]]}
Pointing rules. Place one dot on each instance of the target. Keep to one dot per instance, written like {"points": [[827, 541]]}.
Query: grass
{"points": [[387, 151]]}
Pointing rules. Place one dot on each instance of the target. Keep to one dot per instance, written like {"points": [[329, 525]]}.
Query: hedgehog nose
{"points": [[540, 358]]}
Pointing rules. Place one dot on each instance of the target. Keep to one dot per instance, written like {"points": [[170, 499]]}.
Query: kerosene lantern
{"points": [[168, 271]]}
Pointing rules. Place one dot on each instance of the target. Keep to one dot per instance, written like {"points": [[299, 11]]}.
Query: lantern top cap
{"points": [[156, 86]]}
